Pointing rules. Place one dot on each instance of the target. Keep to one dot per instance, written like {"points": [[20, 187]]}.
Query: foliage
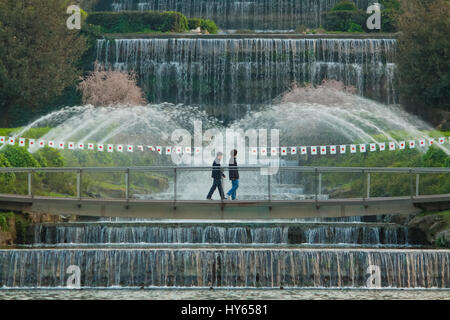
{"points": [[19, 157], [355, 28], [37, 55], [435, 157], [5, 218], [389, 20], [391, 4], [203, 24], [32, 133], [6, 179], [345, 17], [209, 26], [423, 55], [102, 88], [139, 21], [23, 222], [49, 157], [342, 20], [344, 5], [91, 33], [384, 184]]}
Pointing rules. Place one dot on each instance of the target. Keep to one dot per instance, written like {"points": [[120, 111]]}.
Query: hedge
{"points": [[139, 21], [345, 17], [345, 20], [345, 5], [342, 20], [204, 24]]}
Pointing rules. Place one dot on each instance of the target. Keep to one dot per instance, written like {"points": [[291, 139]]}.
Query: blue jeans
{"points": [[234, 186]]}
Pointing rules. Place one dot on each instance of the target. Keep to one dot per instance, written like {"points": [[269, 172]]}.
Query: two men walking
{"points": [[217, 175]]}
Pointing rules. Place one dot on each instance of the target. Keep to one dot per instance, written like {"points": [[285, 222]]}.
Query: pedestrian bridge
{"points": [[293, 192]]}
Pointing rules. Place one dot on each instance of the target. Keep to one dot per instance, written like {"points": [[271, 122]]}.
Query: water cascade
{"points": [[223, 233], [242, 82], [224, 267], [259, 15], [239, 74]]}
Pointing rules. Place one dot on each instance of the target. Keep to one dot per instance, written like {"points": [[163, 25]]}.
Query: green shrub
{"points": [[345, 6], [435, 157], [49, 157], [23, 221], [6, 179], [19, 157], [139, 21], [5, 217], [355, 28], [342, 20], [194, 23], [391, 4], [389, 20], [209, 25], [345, 16], [203, 24]]}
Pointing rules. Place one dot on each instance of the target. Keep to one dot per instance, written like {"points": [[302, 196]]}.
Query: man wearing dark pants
{"points": [[233, 174], [217, 175]]}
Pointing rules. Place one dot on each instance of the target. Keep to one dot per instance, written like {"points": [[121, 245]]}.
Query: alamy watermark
{"points": [[74, 280], [374, 21], [74, 21], [374, 280], [208, 143]]}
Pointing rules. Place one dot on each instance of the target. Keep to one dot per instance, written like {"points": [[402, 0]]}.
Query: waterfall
{"points": [[225, 267], [243, 14], [238, 74], [204, 233], [146, 233]]}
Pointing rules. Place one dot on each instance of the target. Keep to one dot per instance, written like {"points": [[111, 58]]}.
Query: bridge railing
{"points": [[193, 183]]}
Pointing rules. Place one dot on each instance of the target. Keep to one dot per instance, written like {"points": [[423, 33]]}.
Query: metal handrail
{"points": [[241, 168], [317, 171]]}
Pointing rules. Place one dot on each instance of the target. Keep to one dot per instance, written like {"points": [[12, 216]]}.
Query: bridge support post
{"points": [[127, 184], [319, 191], [417, 184], [411, 186], [317, 186], [79, 184], [175, 184], [30, 183], [368, 185]]}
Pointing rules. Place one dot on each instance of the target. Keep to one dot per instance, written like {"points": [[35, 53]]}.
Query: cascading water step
{"points": [[242, 74], [230, 268], [255, 233], [264, 15]]}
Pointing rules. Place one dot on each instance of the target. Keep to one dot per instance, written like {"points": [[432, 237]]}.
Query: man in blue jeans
{"points": [[233, 174], [217, 175]]}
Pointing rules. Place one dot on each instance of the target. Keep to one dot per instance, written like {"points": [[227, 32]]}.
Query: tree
{"points": [[37, 55], [102, 88], [423, 55]]}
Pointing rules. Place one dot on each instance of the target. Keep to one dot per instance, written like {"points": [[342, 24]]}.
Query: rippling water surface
{"points": [[201, 294]]}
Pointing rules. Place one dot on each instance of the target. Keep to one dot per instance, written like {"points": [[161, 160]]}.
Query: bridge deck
{"points": [[211, 209], [247, 209]]}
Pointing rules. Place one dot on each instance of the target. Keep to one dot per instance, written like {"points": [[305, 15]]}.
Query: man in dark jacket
{"points": [[233, 174], [217, 175]]}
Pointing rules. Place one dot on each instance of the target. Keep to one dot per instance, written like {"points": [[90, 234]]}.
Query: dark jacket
{"points": [[233, 173], [216, 172]]}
